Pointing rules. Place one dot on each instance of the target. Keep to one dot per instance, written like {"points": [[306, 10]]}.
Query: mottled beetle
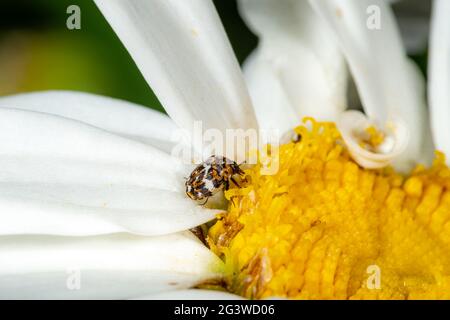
{"points": [[211, 176]]}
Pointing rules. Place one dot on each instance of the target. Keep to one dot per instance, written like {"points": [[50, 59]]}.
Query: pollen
{"points": [[371, 138], [322, 227]]}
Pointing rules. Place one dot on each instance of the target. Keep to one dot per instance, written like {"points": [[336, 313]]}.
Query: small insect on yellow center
{"points": [[209, 177], [324, 228]]}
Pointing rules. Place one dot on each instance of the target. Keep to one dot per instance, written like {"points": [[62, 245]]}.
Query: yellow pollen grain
{"points": [[314, 229], [413, 187], [371, 138], [376, 136]]}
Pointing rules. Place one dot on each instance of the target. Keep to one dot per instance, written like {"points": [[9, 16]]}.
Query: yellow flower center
{"points": [[324, 228]]}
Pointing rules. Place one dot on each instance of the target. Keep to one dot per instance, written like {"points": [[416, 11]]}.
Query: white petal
{"points": [[439, 75], [389, 86], [352, 121], [115, 266], [297, 61], [182, 51], [272, 105], [192, 294], [117, 116], [60, 176]]}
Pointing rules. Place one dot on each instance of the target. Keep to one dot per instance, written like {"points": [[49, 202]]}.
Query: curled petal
{"points": [[389, 85], [352, 125]]}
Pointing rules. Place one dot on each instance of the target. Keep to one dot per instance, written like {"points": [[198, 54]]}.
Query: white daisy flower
{"points": [[92, 203]]}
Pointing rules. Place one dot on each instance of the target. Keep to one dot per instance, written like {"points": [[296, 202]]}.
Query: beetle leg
{"points": [[234, 181], [205, 202]]}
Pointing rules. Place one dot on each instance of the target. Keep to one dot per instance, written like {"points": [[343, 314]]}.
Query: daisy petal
{"points": [[192, 294], [297, 61], [63, 177], [182, 51], [272, 105], [118, 116], [389, 85], [439, 75], [350, 124], [117, 266]]}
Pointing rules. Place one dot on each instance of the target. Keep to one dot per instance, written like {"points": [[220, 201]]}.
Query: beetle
{"points": [[214, 174]]}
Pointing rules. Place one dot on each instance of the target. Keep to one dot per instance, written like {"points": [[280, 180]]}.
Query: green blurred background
{"points": [[38, 52]]}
